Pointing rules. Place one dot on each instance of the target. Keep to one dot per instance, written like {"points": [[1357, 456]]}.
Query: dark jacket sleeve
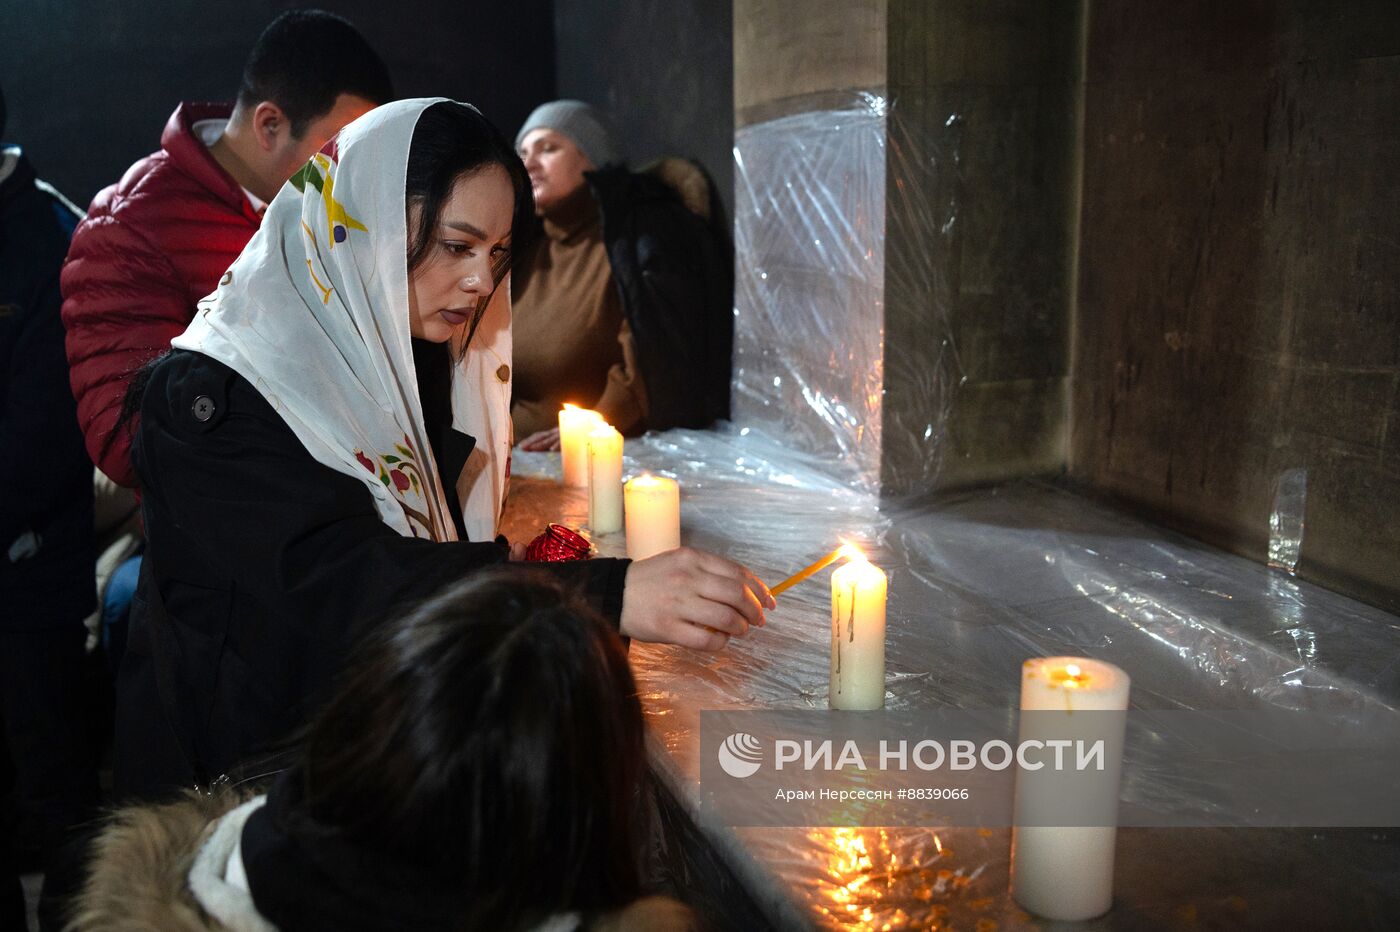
{"points": [[236, 503], [43, 459], [676, 280], [43, 468]]}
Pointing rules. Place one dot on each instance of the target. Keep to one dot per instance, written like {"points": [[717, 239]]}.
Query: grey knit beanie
{"points": [[584, 124]]}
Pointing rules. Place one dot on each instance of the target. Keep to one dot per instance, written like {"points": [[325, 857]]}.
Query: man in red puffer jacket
{"points": [[158, 241]]}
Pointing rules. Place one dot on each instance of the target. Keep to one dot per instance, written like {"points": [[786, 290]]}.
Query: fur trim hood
{"points": [[140, 868], [687, 179]]}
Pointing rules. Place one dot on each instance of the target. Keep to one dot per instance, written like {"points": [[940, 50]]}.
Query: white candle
{"points": [[574, 425], [1066, 872], [858, 635], [604, 480], [653, 505]]}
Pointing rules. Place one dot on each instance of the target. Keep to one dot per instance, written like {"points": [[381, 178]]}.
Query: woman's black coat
{"points": [[263, 568]]}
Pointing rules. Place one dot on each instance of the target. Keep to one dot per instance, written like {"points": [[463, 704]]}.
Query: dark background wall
{"points": [[662, 68], [1238, 312], [982, 183], [90, 83]]}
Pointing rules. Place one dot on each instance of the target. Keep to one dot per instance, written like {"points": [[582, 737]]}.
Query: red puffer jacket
{"points": [[152, 245]]}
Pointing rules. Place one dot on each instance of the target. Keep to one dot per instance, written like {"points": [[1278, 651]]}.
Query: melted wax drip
{"points": [[850, 633]]}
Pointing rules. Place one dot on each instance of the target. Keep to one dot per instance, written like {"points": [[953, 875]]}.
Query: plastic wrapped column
{"points": [[809, 283]]}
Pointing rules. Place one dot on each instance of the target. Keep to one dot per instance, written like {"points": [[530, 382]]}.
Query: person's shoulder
{"points": [[138, 880], [113, 198], [686, 180], [193, 394], [154, 191], [34, 240], [617, 185], [178, 181]]}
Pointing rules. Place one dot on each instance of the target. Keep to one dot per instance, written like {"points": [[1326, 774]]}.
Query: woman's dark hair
{"points": [[490, 740], [452, 140]]}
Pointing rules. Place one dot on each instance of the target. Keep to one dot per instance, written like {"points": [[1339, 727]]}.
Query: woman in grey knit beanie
{"points": [[559, 142], [624, 304]]}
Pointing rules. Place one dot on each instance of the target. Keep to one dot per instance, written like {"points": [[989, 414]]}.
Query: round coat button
{"points": [[203, 408]]}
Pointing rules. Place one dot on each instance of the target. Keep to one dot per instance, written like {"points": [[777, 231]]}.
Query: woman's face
{"points": [[556, 166], [467, 252]]}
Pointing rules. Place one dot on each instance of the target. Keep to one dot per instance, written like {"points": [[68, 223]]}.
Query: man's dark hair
{"points": [[305, 59]]}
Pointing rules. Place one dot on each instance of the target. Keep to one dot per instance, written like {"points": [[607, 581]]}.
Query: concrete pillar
{"points": [[924, 343]]}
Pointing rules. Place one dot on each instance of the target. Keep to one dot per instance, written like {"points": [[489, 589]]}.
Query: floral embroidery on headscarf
{"points": [[317, 173], [399, 472]]}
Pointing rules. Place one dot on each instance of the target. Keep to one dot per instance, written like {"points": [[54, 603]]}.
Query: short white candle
{"points": [[574, 425], [1066, 872], [653, 505], [604, 480], [858, 592]]}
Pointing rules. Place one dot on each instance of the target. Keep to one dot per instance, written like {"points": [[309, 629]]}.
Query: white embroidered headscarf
{"points": [[314, 314]]}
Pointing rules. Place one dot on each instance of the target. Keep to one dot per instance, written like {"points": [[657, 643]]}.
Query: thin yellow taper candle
{"points": [[845, 550]]}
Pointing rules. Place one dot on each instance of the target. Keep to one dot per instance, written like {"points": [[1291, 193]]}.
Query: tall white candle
{"points": [[574, 425], [653, 505], [604, 480], [1066, 872], [858, 592]]}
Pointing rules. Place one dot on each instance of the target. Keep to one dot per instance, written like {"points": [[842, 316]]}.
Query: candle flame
{"points": [[646, 480], [850, 552], [1075, 677]]}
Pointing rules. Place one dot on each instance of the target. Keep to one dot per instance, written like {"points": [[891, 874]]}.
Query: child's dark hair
{"points": [[491, 740], [452, 140]]}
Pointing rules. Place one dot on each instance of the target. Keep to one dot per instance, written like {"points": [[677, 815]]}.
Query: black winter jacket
{"points": [[46, 533], [673, 265], [263, 568]]}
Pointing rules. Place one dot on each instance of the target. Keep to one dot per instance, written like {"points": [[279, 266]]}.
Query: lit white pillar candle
{"points": [[574, 426], [653, 505], [858, 592], [1066, 872], [604, 480]]}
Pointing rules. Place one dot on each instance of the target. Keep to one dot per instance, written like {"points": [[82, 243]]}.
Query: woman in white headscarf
{"points": [[330, 439]]}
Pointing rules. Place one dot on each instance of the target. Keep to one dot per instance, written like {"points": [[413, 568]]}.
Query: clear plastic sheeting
{"points": [[978, 583], [922, 368], [817, 359], [1287, 519], [809, 235]]}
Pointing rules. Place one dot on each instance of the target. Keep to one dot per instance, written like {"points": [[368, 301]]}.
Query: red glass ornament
{"points": [[558, 544]]}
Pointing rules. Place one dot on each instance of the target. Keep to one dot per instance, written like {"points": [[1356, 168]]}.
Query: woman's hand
{"points": [[541, 440], [692, 598]]}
